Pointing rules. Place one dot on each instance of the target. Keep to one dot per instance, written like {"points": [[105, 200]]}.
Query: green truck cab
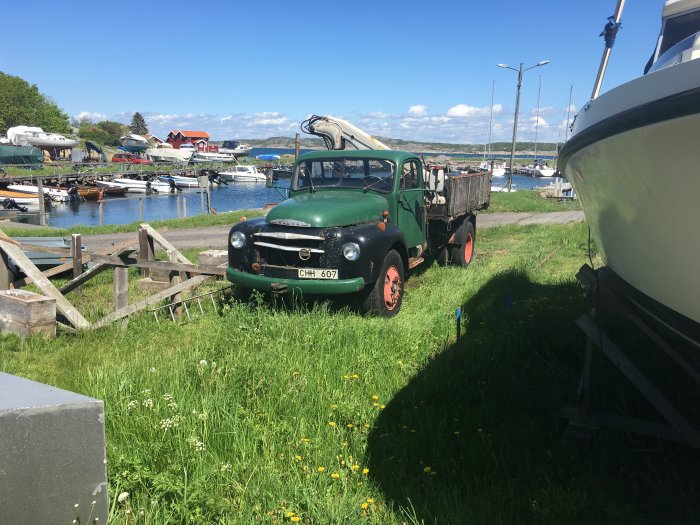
{"points": [[356, 221]]}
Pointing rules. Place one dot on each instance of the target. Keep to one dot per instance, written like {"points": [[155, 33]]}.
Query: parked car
{"points": [[130, 158]]}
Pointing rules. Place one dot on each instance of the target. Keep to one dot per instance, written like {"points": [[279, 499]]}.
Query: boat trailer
{"points": [[606, 293]]}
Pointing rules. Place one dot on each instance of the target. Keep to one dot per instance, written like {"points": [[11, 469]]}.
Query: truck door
{"points": [[411, 206]]}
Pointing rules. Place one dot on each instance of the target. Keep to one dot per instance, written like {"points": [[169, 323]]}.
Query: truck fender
{"points": [[379, 243]]}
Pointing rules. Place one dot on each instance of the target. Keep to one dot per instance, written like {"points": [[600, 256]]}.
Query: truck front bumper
{"points": [[305, 286]]}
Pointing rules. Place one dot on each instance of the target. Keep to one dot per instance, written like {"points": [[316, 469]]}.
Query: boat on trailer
{"points": [[640, 207]]}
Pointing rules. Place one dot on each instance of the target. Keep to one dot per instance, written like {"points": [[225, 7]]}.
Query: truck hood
{"points": [[325, 209]]}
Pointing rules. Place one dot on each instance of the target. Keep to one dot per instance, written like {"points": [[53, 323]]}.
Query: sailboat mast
{"points": [[537, 117], [493, 88]]}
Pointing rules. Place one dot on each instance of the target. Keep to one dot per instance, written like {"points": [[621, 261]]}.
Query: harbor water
{"points": [[235, 196]]}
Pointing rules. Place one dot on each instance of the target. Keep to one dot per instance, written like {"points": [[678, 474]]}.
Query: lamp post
{"points": [[520, 72]]}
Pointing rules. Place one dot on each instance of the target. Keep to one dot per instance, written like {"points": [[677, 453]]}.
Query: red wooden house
{"points": [[200, 139]]}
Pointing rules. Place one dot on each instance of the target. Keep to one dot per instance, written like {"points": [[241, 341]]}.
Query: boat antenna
{"points": [[609, 32], [537, 117], [568, 113], [488, 141]]}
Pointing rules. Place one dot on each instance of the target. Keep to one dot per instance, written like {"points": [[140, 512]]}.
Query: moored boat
{"points": [[143, 186], [235, 148], [55, 194], [243, 174], [632, 160], [180, 182]]}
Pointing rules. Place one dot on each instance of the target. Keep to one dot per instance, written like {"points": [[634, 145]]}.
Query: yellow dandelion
{"points": [[345, 376], [304, 440], [366, 425], [335, 475], [364, 506], [370, 500], [427, 470], [297, 457], [382, 407], [334, 406], [365, 471], [290, 514], [344, 443], [375, 404], [355, 376], [355, 467], [349, 425], [375, 397], [331, 423], [295, 519], [295, 374], [321, 469]]}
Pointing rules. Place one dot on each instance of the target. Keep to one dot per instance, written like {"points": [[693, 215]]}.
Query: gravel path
{"points": [[216, 236]]}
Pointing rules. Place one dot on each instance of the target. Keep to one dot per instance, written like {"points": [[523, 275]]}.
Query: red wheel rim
{"points": [[468, 248], [392, 287]]}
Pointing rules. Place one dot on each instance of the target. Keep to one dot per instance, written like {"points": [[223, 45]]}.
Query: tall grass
{"points": [[283, 412]]}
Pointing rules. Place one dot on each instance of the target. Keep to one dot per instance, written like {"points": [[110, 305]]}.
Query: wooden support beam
{"points": [[121, 290], [28, 267], [175, 279], [153, 299], [4, 271], [156, 236], [146, 249], [76, 251], [54, 250], [158, 265]]}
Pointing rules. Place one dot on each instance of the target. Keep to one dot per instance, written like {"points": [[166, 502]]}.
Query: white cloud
{"points": [[464, 110], [419, 110], [92, 117]]}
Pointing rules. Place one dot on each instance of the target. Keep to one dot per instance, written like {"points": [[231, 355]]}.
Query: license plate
{"points": [[314, 273]]}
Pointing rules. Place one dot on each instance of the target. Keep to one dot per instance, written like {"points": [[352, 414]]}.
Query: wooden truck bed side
{"points": [[464, 193]]}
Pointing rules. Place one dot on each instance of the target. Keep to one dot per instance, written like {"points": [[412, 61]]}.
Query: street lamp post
{"points": [[520, 72]]}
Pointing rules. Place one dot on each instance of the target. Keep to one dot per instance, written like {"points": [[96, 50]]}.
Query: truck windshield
{"points": [[364, 174]]}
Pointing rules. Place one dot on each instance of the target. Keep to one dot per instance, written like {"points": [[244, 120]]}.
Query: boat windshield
{"points": [[365, 174], [230, 144], [686, 49]]}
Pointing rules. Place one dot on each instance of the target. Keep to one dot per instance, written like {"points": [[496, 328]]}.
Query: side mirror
{"points": [[268, 177]]}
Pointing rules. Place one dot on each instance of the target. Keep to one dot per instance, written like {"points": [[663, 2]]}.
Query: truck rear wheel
{"points": [[463, 253], [384, 299]]}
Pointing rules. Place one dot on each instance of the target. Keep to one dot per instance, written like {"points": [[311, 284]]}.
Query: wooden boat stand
{"points": [[606, 295], [183, 274]]}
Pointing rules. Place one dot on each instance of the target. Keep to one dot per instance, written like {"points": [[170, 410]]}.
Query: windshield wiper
{"points": [[371, 184]]}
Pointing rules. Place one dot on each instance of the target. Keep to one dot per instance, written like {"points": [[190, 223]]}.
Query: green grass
{"points": [[189, 222], [528, 201], [245, 416]]}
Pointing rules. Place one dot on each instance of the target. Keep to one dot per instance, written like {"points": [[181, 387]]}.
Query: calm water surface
{"points": [[235, 196]]}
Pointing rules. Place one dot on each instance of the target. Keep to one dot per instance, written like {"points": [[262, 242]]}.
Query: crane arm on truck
{"points": [[339, 134]]}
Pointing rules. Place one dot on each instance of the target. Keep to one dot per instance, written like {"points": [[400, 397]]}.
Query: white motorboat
{"points": [[55, 194], [165, 152], [243, 174], [37, 137], [134, 143], [632, 160], [497, 168], [143, 186], [205, 156], [542, 170], [235, 148], [180, 182]]}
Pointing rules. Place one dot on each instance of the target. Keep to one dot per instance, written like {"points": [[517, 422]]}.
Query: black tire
{"points": [[242, 293], [463, 253], [385, 296]]}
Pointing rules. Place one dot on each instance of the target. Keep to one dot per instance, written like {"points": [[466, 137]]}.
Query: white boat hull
{"points": [[638, 184], [142, 186], [212, 157], [169, 155], [54, 194], [543, 172], [249, 178]]}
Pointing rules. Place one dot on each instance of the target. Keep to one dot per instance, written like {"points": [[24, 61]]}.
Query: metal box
{"points": [[53, 463]]}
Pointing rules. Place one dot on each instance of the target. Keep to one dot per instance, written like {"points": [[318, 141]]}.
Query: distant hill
{"points": [[497, 148]]}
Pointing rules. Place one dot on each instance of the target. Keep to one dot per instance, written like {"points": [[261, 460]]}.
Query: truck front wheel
{"points": [[384, 299], [463, 253]]}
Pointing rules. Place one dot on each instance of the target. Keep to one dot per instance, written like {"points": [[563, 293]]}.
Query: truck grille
{"points": [[290, 249]]}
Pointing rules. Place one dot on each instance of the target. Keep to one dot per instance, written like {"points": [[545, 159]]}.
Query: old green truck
{"points": [[356, 222]]}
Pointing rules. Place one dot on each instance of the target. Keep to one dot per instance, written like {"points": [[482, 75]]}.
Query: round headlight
{"points": [[238, 240], [351, 251]]}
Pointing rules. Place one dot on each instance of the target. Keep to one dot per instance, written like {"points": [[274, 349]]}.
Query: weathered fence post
{"points": [[146, 249], [76, 252], [175, 279], [121, 290], [100, 206], [141, 209], [177, 201], [42, 210], [201, 202], [4, 271], [184, 207]]}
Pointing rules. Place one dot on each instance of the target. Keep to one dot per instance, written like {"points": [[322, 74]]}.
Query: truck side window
{"points": [[409, 176]]}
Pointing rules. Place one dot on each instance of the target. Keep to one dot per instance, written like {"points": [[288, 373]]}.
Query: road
{"points": [[216, 236]]}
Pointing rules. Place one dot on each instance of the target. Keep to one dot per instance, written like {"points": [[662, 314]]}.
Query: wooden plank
{"points": [[156, 298], [4, 272], [99, 268], [64, 252], [76, 251], [62, 304], [158, 265], [146, 249], [175, 279], [164, 243]]}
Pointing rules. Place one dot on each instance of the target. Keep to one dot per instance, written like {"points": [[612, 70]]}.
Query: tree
{"points": [[21, 104], [105, 132], [138, 124]]}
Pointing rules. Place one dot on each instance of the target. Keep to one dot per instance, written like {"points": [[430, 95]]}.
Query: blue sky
{"points": [[253, 69]]}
